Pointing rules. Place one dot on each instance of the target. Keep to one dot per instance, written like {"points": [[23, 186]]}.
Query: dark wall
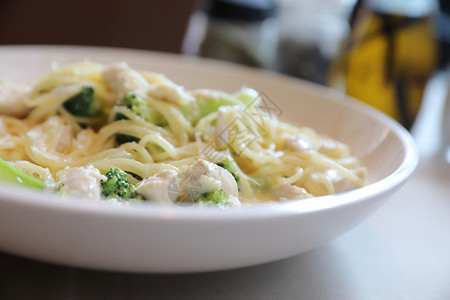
{"points": [[151, 24]]}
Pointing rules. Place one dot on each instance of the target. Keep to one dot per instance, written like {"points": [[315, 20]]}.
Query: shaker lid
{"points": [[241, 10]]}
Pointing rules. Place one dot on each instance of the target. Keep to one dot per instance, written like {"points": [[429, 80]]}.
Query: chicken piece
{"points": [[122, 80], [203, 177], [289, 192], [162, 187], [12, 99], [81, 182], [298, 143], [170, 92], [84, 140], [334, 148]]}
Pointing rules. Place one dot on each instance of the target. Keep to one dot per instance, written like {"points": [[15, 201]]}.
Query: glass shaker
{"points": [[310, 34], [241, 31]]}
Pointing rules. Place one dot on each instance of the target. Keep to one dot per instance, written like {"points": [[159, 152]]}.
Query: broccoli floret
{"points": [[195, 110], [83, 104], [206, 104], [10, 174], [124, 138], [217, 198], [227, 165], [248, 96], [142, 109], [117, 186]]}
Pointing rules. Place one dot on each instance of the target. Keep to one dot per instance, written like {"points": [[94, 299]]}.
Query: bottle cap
{"points": [[241, 10]]}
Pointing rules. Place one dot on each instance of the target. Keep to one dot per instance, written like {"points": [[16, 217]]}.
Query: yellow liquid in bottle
{"points": [[386, 62]]}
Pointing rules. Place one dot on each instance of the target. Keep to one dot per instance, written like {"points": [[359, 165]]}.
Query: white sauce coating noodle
{"points": [[273, 160]]}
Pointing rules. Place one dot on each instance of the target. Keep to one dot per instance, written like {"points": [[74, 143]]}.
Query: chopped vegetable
{"points": [[10, 174], [248, 96], [228, 165], [83, 104], [216, 198], [195, 110], [117, 186], [143, 110]]}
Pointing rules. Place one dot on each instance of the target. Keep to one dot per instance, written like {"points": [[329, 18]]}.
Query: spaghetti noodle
{"points": [[144, 124]]}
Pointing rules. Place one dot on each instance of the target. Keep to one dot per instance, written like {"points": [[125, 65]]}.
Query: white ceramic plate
{"points": [[162, 239]]}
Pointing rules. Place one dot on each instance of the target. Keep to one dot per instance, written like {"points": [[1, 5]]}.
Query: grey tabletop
{"points": [[401, 252]]}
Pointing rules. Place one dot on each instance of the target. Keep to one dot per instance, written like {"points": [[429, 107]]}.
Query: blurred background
{"points": [[382, 52]]}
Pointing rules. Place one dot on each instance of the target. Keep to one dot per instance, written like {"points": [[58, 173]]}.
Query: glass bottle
{"points": [[389, 56], [444, 40]]}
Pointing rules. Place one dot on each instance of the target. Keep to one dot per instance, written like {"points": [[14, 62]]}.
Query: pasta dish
{"points": [[111, 133]]}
